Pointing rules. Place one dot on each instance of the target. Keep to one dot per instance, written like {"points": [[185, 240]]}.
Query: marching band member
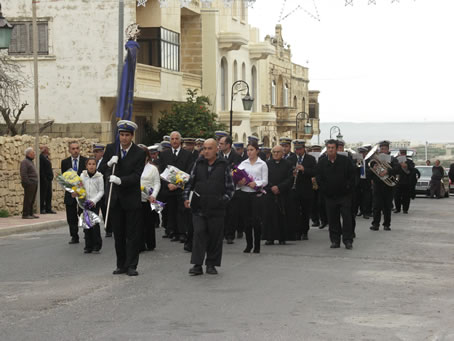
{"points": [[382, 193], [403, 187], [286, 142], [251, 202], [239, 148], [303, 195], [189, 145], [364, 192]]}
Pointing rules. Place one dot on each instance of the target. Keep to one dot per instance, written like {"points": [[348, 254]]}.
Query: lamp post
{"points": [[239, 86], [6, 30], [307, 126], [334, 128]]}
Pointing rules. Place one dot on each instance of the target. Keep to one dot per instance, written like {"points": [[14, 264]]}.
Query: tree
{"points": [[192, 118], [12, 82]]}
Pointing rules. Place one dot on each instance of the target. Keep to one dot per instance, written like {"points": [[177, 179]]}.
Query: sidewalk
{"points": [[15, 224]]}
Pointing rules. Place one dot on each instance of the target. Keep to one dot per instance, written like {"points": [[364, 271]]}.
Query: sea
{"points": [[416, 132]]}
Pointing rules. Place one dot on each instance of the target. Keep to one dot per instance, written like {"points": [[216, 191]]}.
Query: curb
{"points": [[47, 225]]}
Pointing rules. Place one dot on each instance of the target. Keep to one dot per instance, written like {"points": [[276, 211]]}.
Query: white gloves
{"points": [[115, 179], [112, 161]]}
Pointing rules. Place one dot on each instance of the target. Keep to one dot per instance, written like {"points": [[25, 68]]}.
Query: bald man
{"points": [[212, 187]]}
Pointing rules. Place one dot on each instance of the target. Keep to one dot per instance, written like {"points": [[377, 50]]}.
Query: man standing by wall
{"points": [[77, 163], [212, 187], [29, 180], [46, 175]]}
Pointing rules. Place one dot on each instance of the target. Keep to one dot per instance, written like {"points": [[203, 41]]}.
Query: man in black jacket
{"points": [[335, 176], [403, 188], [46, 175], [77, 163], [232, 210], [212, 187], [126, 204], [302, 191], [171, 194]]}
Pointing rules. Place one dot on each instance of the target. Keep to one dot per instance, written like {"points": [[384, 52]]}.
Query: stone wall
{"points": [[12, 153]]}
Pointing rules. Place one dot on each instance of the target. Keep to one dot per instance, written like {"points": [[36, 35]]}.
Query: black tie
{"points": [[300, 160], [175, 152]]}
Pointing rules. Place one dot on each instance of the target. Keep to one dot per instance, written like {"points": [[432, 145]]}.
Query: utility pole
{"points": [[426, 150], [36, 97]]}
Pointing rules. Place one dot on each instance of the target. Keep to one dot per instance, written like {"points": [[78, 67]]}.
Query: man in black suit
{"points": [[232, 210], [46, 175], [189, 145], [303, 193], [125, 205], [77, 163], [182, 159]]}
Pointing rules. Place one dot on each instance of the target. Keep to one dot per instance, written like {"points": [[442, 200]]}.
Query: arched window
{"points": [[273, 93], [254, 88], [285, 95], [304, 104], [243, 10], [243, 72], [224, 86], [295, 103], [244, 138], [235, 71], [236, 137]]}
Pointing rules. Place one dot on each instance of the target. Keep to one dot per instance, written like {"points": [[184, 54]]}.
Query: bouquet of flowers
{"points": [[240, 174], [175, 176], [157, 206], [72, 183]]}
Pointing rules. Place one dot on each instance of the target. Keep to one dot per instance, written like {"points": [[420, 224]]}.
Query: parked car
{"points": [[423, 184]]}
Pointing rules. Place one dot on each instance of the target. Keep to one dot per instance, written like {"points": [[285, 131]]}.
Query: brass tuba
{"points": [[377, 165]]}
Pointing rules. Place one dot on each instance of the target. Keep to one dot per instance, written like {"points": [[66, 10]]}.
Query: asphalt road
{"points": [[396, 285]]}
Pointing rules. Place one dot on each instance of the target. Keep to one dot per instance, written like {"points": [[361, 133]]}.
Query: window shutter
{"points": [[18, 39], [42, 38]]}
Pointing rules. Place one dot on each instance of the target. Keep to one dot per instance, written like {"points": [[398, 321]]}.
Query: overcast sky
{"points": [[389, 62]]}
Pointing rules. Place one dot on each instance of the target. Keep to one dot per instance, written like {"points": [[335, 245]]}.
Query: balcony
{"points": [[259, 119], [231, 40], [154, 83], [237, 117], [261, 50]]}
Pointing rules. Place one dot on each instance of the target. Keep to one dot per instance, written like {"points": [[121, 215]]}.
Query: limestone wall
{"points": [[12, 153]]}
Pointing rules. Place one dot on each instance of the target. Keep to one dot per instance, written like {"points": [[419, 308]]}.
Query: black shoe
{"points": [[88, 251], [323, 225], [51, 212], [239, 235], [132, 272], [405, 212], [282, 242], [269, 242], [374, 228], [196, 270], [354, 235], [359, 214], [316, 224], [175, 239], [183, 238], [187, 247], [365, 216], [119, 271], [247, 249], [256, 250], [304, 237], [396, 211], [335, 245], [298, 236], [348, 246], [229, 241], [387, 228], [43, 212], [108, 234], [73, 241], [166, 235], [211, 270]]}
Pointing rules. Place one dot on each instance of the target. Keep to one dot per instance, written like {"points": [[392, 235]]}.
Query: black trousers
{"points": [[229, 220], [365, 196], [275, 224], [337, 208], [435, 188], [236, 222], [207, 241], [252, 213], [304, 207], [402, 197], [176, 218], [93, 240], [322, 208], [315, 214], [45, 195], [148, 227], [382, 202], [72, 212], [29, 198], [126, 229]]}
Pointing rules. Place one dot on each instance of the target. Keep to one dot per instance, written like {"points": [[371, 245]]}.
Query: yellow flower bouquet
{"points": [[175, 176]]}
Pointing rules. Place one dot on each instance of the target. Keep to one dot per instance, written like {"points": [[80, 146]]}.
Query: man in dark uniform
{"points": [[181, 159], [199, 144], [382, 193], [211, 180], [403, 188], [46, 175], [286, 143], [335, 175], [275, 226], [364, 191], [126, 203], [189, 145], [239, 148], [220, 133], [302, 193], [232, 209], [77, 163], [98, 150]]}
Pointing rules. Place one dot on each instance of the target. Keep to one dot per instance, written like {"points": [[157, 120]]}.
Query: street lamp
{"points": [[331, 132], [5, 31], [307, 127], [240, 86]]}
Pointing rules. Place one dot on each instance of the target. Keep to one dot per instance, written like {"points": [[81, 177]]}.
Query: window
{"points": [[243, 10], [235, 71], [243, 72], [254, 88], [224, 95], [295, 102], [22, 38], [285, 95], [159, 47], [273, 93]]}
